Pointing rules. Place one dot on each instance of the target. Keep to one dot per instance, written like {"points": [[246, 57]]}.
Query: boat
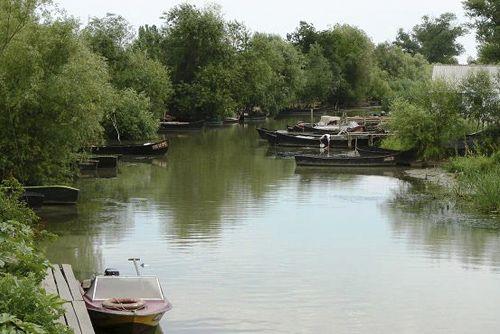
{"points": [[55, 194], [32, 199], [346, 161], [231, 120], [214, 122], [181, 126], [156, 148], [404, 158], [286, 139], [89, 165], [125, 304], [266, 134], [106, 161]]}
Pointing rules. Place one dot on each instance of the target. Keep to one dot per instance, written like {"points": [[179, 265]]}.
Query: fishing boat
{"points": [[54, 194], [125, 304], [403, 158], [286, 139], [231, 120], [214, 122], [156, 148], [346, 161], [266, 134], [106, 161], [181, 126], [32, 199]]}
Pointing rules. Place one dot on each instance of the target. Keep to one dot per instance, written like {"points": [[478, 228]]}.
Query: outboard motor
{"points": [[111, 272]]}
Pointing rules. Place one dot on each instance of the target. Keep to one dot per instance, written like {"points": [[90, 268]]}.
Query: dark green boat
{"points": [[55, 194]]}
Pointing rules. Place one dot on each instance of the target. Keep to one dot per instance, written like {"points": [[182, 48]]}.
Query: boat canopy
{"points": [[329, 120], [143, 287]]}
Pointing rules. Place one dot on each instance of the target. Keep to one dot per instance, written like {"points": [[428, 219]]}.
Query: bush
{"points": [[131, 118], [25, 307], [478, 180], [426, 117]]}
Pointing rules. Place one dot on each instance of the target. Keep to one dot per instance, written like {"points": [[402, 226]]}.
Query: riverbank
{"points": [[435, 175], [472, 181]]}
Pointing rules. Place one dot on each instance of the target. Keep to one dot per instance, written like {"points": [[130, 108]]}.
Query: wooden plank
{"points": [[62, 285], [74, 286], [49, 283], [71, 318], [83, 317]]}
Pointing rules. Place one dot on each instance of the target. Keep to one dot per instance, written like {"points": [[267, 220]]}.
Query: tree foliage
{"points": [[434, 38], [480, 98], [426, 117], [52, 96], [130, 69], [318, 76], [486, 20], [395, 71]]}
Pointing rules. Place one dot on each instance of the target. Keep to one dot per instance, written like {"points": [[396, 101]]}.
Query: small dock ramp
{"points": [[61, 281]]}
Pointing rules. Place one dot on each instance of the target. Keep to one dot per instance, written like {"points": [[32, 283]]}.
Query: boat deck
{"points": [[61, 281]]}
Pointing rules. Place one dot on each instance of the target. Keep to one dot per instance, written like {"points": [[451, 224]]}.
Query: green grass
{"points": [[479, 180]]}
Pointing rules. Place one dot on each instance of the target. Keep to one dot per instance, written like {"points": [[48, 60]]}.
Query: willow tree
{"points": [[132, 72], [198, 52], [269, 74], [53, 94]]}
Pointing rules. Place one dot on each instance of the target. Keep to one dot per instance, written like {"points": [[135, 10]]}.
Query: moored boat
{"points": [[125, 304], [55, 194], [266, 134], [156, 148], [345, 161], [106, 161], [181, 126], [32, 199], [403, 157], [231, 120]]}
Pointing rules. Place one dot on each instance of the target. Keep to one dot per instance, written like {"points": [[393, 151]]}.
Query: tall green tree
{"points": [[318, 77], [486, 20], [132, 72], [349, 52], [434, 38], [395, 71], [269, 74], [53, 94], [196, 43], [304, 36]]}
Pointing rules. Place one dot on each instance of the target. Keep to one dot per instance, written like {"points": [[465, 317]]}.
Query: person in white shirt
{"points": [[324, 141]]}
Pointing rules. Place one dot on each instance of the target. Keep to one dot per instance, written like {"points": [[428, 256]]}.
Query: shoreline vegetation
{"points": [[65, 87], [473, 182], [25, 306]]}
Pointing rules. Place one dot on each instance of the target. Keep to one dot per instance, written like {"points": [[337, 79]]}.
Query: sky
{"points": [[380, 19]]}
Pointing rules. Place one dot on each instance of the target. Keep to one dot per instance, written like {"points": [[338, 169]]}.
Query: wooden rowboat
{"points": [[55, 194], [157, 148], [181, 126], [336, 161]]}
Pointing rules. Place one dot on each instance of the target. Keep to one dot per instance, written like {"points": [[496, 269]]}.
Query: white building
{"points": [[453, 74]]}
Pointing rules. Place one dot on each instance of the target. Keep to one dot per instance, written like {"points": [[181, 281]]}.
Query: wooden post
{"points": [[312, 116]]}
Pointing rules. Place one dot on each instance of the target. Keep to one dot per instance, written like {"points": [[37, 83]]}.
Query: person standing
{"points": [[324, 141]]}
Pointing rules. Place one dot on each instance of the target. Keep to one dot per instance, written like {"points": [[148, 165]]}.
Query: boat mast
{"points": [[136, 266]]}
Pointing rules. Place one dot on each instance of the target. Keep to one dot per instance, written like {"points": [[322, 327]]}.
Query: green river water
{"points": [[245, 242]]}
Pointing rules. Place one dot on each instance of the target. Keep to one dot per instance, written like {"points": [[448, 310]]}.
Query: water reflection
{"points": [[243, 241]]}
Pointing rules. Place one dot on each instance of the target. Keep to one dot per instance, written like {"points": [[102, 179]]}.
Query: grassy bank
{"points": [[478, 180], [25, 307]]}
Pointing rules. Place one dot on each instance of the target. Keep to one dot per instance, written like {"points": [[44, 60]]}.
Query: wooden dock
{"points": [[61, 281]]}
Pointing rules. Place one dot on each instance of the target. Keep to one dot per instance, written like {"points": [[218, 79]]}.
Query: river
{"points": [[245, 242]]}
